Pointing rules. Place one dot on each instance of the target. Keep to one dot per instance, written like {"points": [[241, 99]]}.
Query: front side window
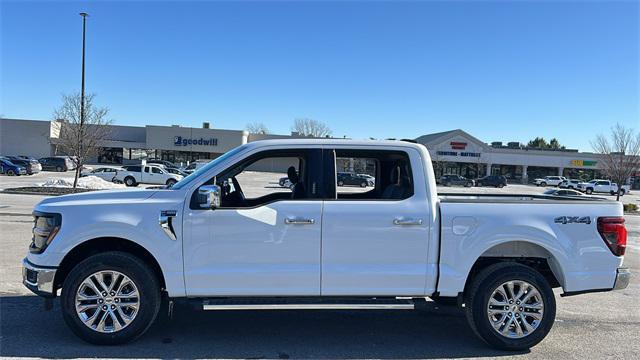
{"points": [[270, 176], [157, 171]]}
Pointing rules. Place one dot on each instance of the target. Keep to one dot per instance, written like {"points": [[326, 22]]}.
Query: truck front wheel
{"points": [[510, 306], [110, 298], [130, 181]]}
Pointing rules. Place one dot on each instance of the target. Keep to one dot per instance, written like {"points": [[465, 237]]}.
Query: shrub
{"points": [[630, 207]]}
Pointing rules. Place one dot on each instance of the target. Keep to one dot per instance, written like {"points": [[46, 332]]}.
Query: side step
{"points": [[309, 304]]}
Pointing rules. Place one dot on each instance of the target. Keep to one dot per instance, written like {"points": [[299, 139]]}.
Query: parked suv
{"points": [[550, 180], [570, 183], [59, 164], [492, 180], [450, 180]]}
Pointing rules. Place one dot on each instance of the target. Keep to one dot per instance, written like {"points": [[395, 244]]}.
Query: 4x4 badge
{"points": [[572, 220]]}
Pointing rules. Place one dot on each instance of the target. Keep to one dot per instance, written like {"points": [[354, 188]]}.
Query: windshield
{"points": [[185, 181]]}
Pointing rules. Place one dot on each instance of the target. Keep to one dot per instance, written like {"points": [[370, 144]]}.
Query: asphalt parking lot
{"points": [[589, 326]]}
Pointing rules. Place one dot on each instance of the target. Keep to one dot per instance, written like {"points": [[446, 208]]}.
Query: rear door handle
{"points": [[298, 221], [406, 221]]}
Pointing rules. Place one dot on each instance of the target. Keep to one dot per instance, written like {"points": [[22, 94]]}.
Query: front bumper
{"points": [[39, 279], [623, 276]]}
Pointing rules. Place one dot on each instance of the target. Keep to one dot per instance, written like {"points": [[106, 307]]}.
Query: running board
{"points": [[308, 304]]}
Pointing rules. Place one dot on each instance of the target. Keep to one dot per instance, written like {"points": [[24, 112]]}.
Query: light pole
{"points": [[84, 30]]}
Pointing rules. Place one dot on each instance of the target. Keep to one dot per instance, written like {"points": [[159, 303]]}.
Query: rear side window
{"points": [[368, 175], [134, 168]]}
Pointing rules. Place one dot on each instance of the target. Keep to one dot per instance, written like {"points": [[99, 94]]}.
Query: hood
{"points": [[95, 198]]}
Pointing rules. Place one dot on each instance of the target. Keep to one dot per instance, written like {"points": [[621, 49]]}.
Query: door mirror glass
{"points": [[209, 196]]}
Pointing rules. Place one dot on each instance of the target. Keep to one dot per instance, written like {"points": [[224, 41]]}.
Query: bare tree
{"points": [[257, 128], [311, 127], [619, 154], [81, 140]]}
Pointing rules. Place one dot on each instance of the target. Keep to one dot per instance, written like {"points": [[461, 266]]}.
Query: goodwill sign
{"points": [[180, 141]]}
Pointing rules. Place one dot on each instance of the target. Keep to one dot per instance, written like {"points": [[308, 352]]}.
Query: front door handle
{"points": [[298, 221], [407, 221]]}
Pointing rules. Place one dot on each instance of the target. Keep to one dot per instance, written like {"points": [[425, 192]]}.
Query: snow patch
{"points": [[87, 182]]}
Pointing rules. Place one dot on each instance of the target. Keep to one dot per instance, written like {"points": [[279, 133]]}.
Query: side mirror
{"points": [[211, 195]]}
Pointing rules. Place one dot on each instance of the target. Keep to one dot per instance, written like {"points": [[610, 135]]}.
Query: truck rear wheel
{"points": [[510, 306], [110, 298]]}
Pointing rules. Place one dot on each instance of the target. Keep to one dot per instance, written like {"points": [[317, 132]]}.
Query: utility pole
{"points": [[84, 31]]}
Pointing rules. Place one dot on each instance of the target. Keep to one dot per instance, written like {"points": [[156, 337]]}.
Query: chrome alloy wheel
{"points": [[515, 309], [107, 301]]}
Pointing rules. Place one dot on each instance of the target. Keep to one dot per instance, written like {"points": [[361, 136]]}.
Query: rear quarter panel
{"points": [[576, 253]]}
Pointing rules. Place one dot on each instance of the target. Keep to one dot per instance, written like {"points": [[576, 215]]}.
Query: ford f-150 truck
{"points": [[220, 239]]}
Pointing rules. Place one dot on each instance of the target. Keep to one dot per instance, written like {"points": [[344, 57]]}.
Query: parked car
{"points": [[175, 171], [492, 180], [165, 163], [115, 256], [563, 192], [59, 164], [7, 167], [71, 161], [30, 164], [285, 182], [570, 183], [550, 180], [602, 186], [133, 175], [195, 165], [457, 180], [345, 178], [107, 173]]}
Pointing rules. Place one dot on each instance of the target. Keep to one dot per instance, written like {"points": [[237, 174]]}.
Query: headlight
{"points": [[45, 228]]}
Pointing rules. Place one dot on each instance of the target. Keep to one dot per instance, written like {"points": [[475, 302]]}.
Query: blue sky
{"points": [[505, 71]]}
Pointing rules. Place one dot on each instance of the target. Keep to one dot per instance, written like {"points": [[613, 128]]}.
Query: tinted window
{"points": [[134, 168], [157, 171], [389, 171]]}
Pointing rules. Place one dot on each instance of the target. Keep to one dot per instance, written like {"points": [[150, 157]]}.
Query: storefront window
{"points": [[110, 155]]}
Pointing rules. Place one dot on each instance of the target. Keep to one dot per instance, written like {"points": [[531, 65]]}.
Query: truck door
{"points": [[265, 238], [375, 239]]}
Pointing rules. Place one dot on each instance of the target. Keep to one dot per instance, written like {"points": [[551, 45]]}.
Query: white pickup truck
{"points": [[602, 186], [133, 175], [218, 239]]}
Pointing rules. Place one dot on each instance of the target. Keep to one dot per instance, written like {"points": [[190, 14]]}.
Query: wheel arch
{"points": [[103, 244], [521, 252]]}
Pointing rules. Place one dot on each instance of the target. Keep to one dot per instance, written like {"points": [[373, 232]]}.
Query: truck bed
{"points": [[515, 198]]}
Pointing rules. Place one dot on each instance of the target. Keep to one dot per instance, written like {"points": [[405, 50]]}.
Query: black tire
{"points": [[543, 184], [171, 182], [589, 191], [11, 172], [130, 181], [479, 293], [469, 184], [129, 265], [340, 183], [499, 186], [622, 192], [447, 184], [59, 168], [364, 184]]}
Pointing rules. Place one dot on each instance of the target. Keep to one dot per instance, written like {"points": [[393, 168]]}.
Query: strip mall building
{"points": [[453, 152]]}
